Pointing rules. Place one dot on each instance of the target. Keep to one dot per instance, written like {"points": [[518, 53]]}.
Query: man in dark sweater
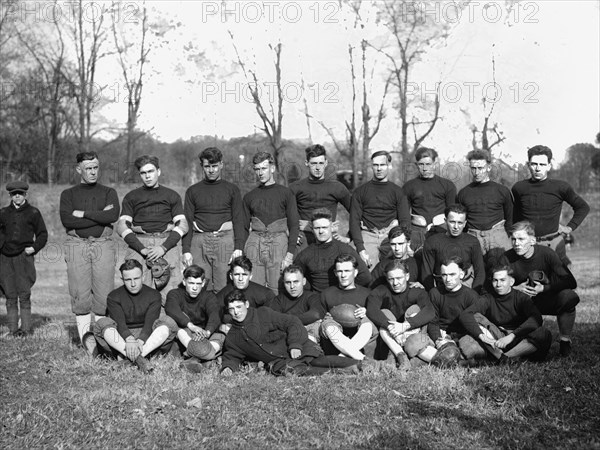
{"points": [[196, 311], [278, 340], [428, 195], [23, 234], [510, 325], [539, 200], [271, 217], [295, 300], [399, 243], [399, 311], [317, 260], [489, 205], [152, 222], [87, 211], [539, 273], [349, 341], [133, 328], [377, 206], [453, 242], [213, 208], [317, 191]]}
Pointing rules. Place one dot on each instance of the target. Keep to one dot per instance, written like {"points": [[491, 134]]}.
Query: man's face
{"points": [[426, 166], [132, 280], [455, 222], [480, 170], [149, 174], [240, 277], [18, 198], [294, 283], [193, 286], [452, 276], [89, 171], [399, 246], [380, 167], [539, 167], [345, 273], [522, 242], [212, 171], [397, 280], [322, 230], [238, 310], [502, 282], [316, 167], [265, 172]]}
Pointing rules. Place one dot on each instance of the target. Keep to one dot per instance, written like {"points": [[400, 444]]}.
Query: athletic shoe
{"points": [[565, 348], [143, 364], [89, 343], [192, 365], [402, 361]]}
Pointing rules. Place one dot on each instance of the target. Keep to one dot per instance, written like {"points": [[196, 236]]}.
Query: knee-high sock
{"points": [[155, 340], [566, 321], [114, 339], [427, 353], [183, 337], [362, 336], [523, 348], [390, 342], [97, 317], [84, 323], [343, 343]]}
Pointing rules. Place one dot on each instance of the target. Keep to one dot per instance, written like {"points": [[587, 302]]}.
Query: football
{"points": [[344, 315]]}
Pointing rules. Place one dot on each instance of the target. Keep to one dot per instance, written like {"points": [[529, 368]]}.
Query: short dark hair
{"points": [[86, 156], [500, 268], [455, 259], [146, 159], [211, 154], [345, 257], [382, 153], [130, 264], [539, 150], [424, 152], [243, 262], [193, 271], [234, 296], [523, 225], [263, 156], [293, 268], [315, 151], [321, 213], [399, 230], [455, 208], [395, 264], [479, 155]]}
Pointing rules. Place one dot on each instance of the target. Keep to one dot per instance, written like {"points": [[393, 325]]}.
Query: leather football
{"points": [[344, 315]]}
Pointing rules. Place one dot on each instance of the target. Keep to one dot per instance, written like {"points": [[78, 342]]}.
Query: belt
{"points": [[547, 237], [225, 226], [162, 234], [382, 230], [494, 227], [106, 234], [420, 221]]}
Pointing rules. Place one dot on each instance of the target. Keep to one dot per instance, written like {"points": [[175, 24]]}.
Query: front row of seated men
{"points": [[294, 332]]}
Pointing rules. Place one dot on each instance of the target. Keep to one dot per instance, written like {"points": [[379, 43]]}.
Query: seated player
{"points": [[197, 314], [278, 340], [399, 243], [348, 341], [539, 272], [317, 260], [294, 300], [399, 311], [510, 326], [133, 327]]}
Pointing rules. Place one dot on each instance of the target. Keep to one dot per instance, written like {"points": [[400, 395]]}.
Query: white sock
{"points": [[183, 337], [114, 339], [155, 340], [427, 353], [84, 322], [390, 341]]}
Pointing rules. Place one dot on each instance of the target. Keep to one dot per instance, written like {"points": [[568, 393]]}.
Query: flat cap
{"points": [[17, 186]]}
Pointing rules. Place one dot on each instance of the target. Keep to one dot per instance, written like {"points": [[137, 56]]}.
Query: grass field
{"points": [[53, 395]]}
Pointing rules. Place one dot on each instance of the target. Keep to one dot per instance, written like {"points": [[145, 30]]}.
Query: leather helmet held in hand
{"points": [[537, 275], [161, 272]]}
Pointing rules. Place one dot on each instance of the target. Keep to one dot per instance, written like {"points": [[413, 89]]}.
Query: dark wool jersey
{"points": [[209, 204], [271, 203], [448, 307], [256, 295], [378, 275], [376, 204], [514, 311], [203, 311], [545, 259], [20, 228], [134, 310], [307, 307], [540, 202], [487, 204], [152, 209], [317, 262], [441, 246], [312, 194], [333, 296], [91, 199], [382, 297], [429, 197]]}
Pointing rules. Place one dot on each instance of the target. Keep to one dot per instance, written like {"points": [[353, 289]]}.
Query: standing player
{"points": [[377, 206], [87, 211], [213, 208], [316, 191], [272, 218], [152, 222], [428, 195], [539, 200], [489, 205], [24, 234]]}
